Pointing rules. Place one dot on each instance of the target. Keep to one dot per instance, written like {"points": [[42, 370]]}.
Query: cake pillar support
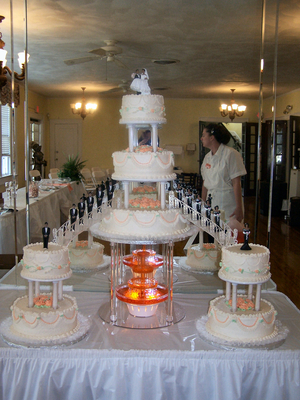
{"points": [[60, 290], [37, 288], [154, 137], [169, 317], [126, 194], [234, 297], [250, 292], [228, 287], [30, 294], [113, 299], [257, 297], [131, 137], [54, 296], [162, 195]]}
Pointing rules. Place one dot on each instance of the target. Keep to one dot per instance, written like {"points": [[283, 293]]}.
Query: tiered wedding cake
{"points": [[142, 217], [142, 164], [243, 318], [45, 316]]}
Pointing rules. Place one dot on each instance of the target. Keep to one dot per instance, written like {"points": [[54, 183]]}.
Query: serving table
{"points": [[49, 206], [167, 363]]}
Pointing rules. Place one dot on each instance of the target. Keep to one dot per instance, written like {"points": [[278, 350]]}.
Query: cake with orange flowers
{"points": [[42, 322], [243, 325], [251, 266], [142, 109], [143, 164], [84, 256], [45, 264], [205, 258]]}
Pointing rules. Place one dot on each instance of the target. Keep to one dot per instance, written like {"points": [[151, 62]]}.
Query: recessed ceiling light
{"points": [[165, 61]]}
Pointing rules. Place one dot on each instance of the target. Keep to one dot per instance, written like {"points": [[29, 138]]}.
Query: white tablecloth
{"points": [[48, 207], [169, 363]]}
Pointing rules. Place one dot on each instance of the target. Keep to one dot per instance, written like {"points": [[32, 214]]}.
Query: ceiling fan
{"points": [[108, 52], [124, 87]]}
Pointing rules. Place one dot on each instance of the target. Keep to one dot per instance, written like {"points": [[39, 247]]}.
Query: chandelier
{"points": [[83, 108], [234, 110], [4, 69]]}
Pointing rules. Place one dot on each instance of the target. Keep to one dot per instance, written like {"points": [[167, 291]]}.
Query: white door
{"points": [[66, 139]]}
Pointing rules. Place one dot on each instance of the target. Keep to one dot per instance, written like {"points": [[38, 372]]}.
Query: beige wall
{"points": [[102, 134]]}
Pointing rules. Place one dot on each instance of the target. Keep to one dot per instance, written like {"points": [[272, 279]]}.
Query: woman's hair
{"points": [[221, 134]]}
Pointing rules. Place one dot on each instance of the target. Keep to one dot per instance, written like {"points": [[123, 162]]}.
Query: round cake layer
{"points": [[142, 108], [241, 326], [82, 256], [245, 265], [143, 225], [45, 264], [44, 323], [208, 258], [146, 166]]}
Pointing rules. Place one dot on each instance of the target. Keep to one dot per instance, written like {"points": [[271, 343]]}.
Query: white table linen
{"points": [[47, 207], [168, 363]]}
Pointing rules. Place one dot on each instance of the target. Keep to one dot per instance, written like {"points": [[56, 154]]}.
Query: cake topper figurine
{"points": [[140, 82], [246, 232], [46, 234]]}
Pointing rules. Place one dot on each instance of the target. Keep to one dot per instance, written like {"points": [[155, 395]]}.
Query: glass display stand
{"points": [[151, 314]]}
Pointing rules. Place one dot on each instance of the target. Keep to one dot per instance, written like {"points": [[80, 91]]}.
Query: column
{"points": [[234, 297], [169, 317], [154, 137], [37, 288], [114, 266], [257, 298], [54, 296], [30, 293], [126, 194], [162, 195], [131, 137]]}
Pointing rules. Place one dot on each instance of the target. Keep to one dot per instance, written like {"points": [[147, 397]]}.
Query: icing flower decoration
{"points": [[43, 301], [241, 270], [243, 304]]}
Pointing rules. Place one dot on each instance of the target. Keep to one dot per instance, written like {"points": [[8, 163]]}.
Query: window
{"points": [[5, 143]]}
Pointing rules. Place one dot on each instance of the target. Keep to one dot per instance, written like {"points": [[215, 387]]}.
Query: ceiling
{"points": [[217, 44]]}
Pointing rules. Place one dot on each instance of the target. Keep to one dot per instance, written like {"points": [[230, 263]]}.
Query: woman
{"points": [[221, 171]]}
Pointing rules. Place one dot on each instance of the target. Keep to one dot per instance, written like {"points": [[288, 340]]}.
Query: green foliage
{"points": [[71, 168]]}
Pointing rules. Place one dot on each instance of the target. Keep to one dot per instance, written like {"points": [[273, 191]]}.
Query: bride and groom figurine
{"points": [[140, 82]]}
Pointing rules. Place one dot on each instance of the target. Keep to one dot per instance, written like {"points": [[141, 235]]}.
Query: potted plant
{"points": [[71, 168]]}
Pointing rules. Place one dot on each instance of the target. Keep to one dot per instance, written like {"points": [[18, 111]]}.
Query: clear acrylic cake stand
{"points": [[116, 312]]}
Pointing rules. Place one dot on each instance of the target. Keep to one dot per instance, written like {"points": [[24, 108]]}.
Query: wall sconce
{"points": [[83, 108], [288, 109], [4, 69]]}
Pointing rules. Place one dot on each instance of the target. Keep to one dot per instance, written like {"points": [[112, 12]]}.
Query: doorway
{"points": [[65, 139]]}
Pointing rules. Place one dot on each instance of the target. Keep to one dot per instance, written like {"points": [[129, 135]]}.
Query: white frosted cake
{"points": [[142, 108], [206, 258], [143, 164], [45, 264], [42, 321], [83, 256], [136, 224], [249, 266], [243, 325]]}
